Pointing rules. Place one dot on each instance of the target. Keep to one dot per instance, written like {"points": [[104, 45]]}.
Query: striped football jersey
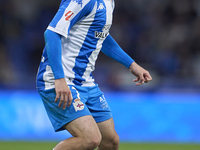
{"points": [[84, 25]]}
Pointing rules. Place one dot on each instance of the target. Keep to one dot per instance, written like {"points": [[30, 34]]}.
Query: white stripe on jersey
{"points": [[48, 76], [109, 13], [73, 47]]}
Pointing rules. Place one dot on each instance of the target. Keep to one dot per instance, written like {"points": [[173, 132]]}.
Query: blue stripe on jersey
{"points": [[42, 69], [89, 45], [59, 14]]}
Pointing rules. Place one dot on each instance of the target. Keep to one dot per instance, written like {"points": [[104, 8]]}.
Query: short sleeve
{"points": [[69, 13]]}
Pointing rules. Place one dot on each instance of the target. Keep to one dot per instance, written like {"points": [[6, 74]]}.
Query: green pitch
{"points": [[123, 146]]}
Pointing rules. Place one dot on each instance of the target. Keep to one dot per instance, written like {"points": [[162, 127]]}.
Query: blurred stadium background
{"points": [[163, 36]]}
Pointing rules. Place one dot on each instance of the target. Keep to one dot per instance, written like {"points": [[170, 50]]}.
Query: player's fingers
{"points": [[146, 80], [137, 79], [57, 97], [147, 77], [141, 81], [65, 101], [61, 100], [150, 78], [69, 99]]}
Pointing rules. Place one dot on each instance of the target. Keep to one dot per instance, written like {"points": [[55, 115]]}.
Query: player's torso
{"points": [[81, 47], [83, 44]]}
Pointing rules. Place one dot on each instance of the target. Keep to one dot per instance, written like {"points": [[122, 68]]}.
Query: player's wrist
{"points": [[60, 83], [132, 66], [60, 80]]}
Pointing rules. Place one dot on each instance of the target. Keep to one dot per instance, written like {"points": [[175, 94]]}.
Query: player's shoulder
{"points": [[85, 1], [80, 3]]}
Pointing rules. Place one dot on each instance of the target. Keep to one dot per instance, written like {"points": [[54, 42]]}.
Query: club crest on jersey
{"points": [[78, 105], [103, 34], [80, 2]]}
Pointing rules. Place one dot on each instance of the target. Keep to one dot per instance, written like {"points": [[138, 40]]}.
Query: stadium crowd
{"points": [[163, 36]]}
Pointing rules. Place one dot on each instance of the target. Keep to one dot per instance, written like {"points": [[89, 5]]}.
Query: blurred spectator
{"points": [[7, 76]]}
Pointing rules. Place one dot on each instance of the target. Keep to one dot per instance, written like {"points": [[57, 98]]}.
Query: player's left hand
{"points": [[63, 93], [143, 76]]}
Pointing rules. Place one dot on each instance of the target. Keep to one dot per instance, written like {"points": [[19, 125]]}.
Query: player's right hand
{"points": [[143, 76], [63, 93]]}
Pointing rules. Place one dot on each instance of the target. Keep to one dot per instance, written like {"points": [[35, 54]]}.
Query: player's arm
{"points": [[113, 50], [53, 48], [53, 44]]}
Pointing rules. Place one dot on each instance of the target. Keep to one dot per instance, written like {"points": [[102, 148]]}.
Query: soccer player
{"points": [[73, 101]]}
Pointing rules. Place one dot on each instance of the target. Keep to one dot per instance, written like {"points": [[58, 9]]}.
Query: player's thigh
{"points": [[107, 129], [85, 127]]}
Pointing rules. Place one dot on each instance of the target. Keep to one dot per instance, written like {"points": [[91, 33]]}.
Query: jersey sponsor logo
{"points": [[80, 2], [68, 15], [101, 6], [78, 105], [103, 34]]}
